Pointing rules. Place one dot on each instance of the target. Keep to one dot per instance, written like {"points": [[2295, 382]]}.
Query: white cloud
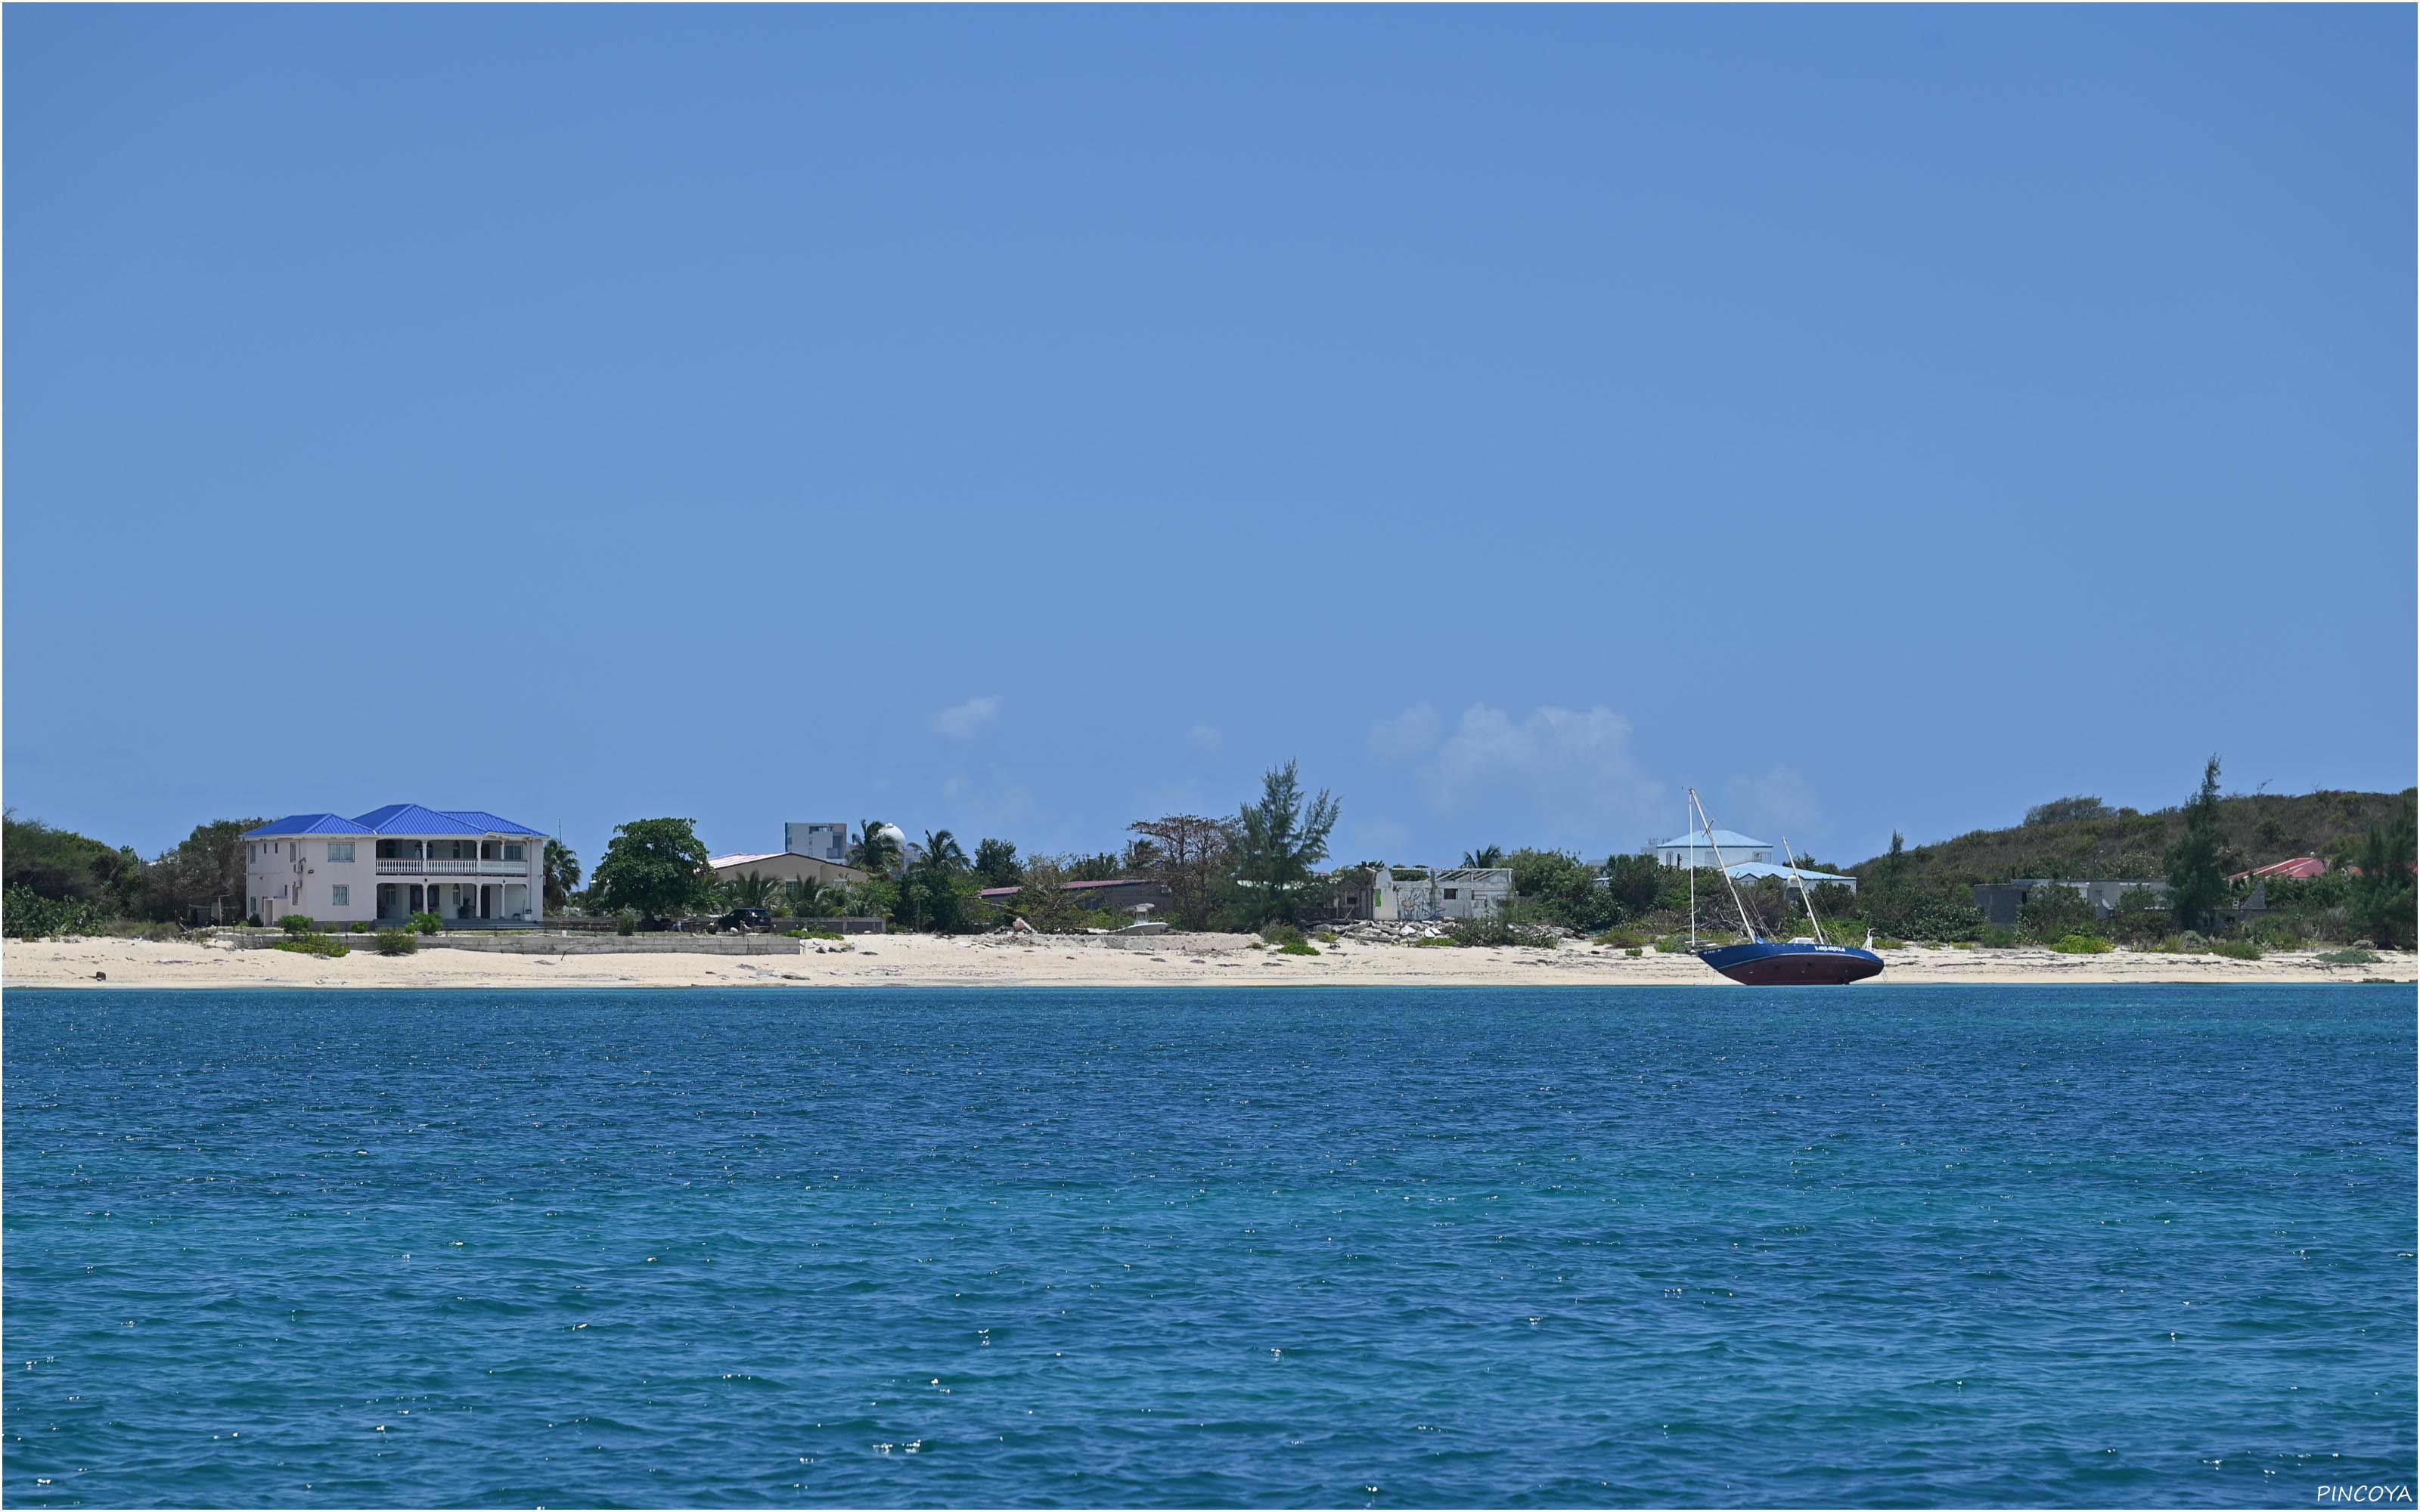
{"points": [[1574, 764], [1206, 735], [1407, 733], [1781, 798], [960, 721]]}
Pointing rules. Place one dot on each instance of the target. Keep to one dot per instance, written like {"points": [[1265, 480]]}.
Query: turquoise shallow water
{"points": [[1869, 1246]]}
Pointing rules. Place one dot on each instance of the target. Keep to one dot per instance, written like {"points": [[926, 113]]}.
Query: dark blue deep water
{"points": [[1299, 1247]]}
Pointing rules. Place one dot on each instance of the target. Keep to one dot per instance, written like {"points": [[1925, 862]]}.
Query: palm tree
{"points": [[943, 853], [877, 851], [561, 876], [753, 890], [801, 895], [1492, 856]]}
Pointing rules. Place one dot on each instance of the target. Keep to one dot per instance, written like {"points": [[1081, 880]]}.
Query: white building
{"points": [[1426, 892], [388, 864], [824, 842], [1697, 848]]}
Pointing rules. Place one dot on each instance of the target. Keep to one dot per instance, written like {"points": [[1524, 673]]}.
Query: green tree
{"points": [[204, 871], [752, 889], [877, 852], [60, 863], [2197, 881], [560, 872], [996, 863], [1634, 883], [1043, 900], [656, 867], [805, 897], [1488, 855], [1277, 841], [943, 850], [1191, 859], [2382, 893]]}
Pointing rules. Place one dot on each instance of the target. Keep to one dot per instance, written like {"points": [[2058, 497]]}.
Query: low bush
{"points": [[1282, 934], [2236, 950], [1624, 939], [326, 945], [808, 933], [1999, 938], [1325, 936], [2081, 945], [1884, 942], [1631, 949], [397, 942], [298, 925], [137, 928], [426, 923], [27, 914], [625, 922], [2356, 956], [1298, 948]]}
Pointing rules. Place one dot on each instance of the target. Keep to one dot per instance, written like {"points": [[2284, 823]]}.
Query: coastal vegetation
{"points": [[1266, 867]]}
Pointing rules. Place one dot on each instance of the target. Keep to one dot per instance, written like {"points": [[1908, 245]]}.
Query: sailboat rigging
{"points": [[1763, 963]]}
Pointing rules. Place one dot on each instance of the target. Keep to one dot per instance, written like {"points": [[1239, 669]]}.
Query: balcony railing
{"points": [[396, 866]]}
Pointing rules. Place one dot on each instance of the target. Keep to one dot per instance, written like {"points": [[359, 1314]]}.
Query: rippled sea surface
{"points": [[1306, 1248]]}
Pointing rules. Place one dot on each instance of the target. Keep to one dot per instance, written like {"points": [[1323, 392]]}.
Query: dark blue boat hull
{"points": [[1772, 964]]}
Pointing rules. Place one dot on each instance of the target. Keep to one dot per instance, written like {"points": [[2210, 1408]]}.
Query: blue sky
{"points": [[1026, 421]]}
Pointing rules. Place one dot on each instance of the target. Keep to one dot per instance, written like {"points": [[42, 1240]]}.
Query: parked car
{"points": [[743, 922]]}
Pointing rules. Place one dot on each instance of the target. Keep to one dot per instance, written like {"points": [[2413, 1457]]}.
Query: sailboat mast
{"points": [[1804, 896], [1708, 825], [1686, 824]]}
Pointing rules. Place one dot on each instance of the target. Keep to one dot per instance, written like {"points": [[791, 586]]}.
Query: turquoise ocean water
{"points": [[1308, 1247]]}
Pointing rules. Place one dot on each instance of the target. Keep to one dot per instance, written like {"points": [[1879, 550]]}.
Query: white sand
{"points": [[1175, 960]]}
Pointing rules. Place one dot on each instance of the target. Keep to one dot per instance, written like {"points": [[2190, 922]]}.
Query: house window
{"points": [[341, 850], [340, 896], [516, 853], [1450, 894], [252, 906], [281, 891]]}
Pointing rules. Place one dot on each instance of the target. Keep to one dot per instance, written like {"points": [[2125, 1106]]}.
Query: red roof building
{"points": [[2301, 868]]}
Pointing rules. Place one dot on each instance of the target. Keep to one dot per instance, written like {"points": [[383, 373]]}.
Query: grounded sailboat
{"points": [[1763, 963]]}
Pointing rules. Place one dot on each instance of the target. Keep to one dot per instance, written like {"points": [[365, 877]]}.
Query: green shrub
{"points": [[424, 922], [298, 925], [1283, 935], [2236, 950], [627, 921], [2353, 957], [1884, 942], [1623, 938], [2081, 945], [2192, 939], [1630, 950], [1999, 938], [397, 942], [251, 920], [27, 914], [326, 945], [1298, 948], [1327, 936], [807, 933]]}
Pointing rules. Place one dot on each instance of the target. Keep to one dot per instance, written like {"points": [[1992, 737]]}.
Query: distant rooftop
{"points": [[396, 819], [1695, 840]]}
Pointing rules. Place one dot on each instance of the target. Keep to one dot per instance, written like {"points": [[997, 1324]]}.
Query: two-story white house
{"points": [[391, 863]]}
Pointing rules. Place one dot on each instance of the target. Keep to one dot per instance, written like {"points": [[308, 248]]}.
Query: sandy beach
{"points": [[999, 961]]}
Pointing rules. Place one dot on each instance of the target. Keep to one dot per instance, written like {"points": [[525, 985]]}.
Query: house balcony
{"points": [[414, 866]]}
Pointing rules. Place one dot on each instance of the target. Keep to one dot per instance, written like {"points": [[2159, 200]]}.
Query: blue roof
{"points": [[1695, 840], [490, 824], [311, 823]]}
